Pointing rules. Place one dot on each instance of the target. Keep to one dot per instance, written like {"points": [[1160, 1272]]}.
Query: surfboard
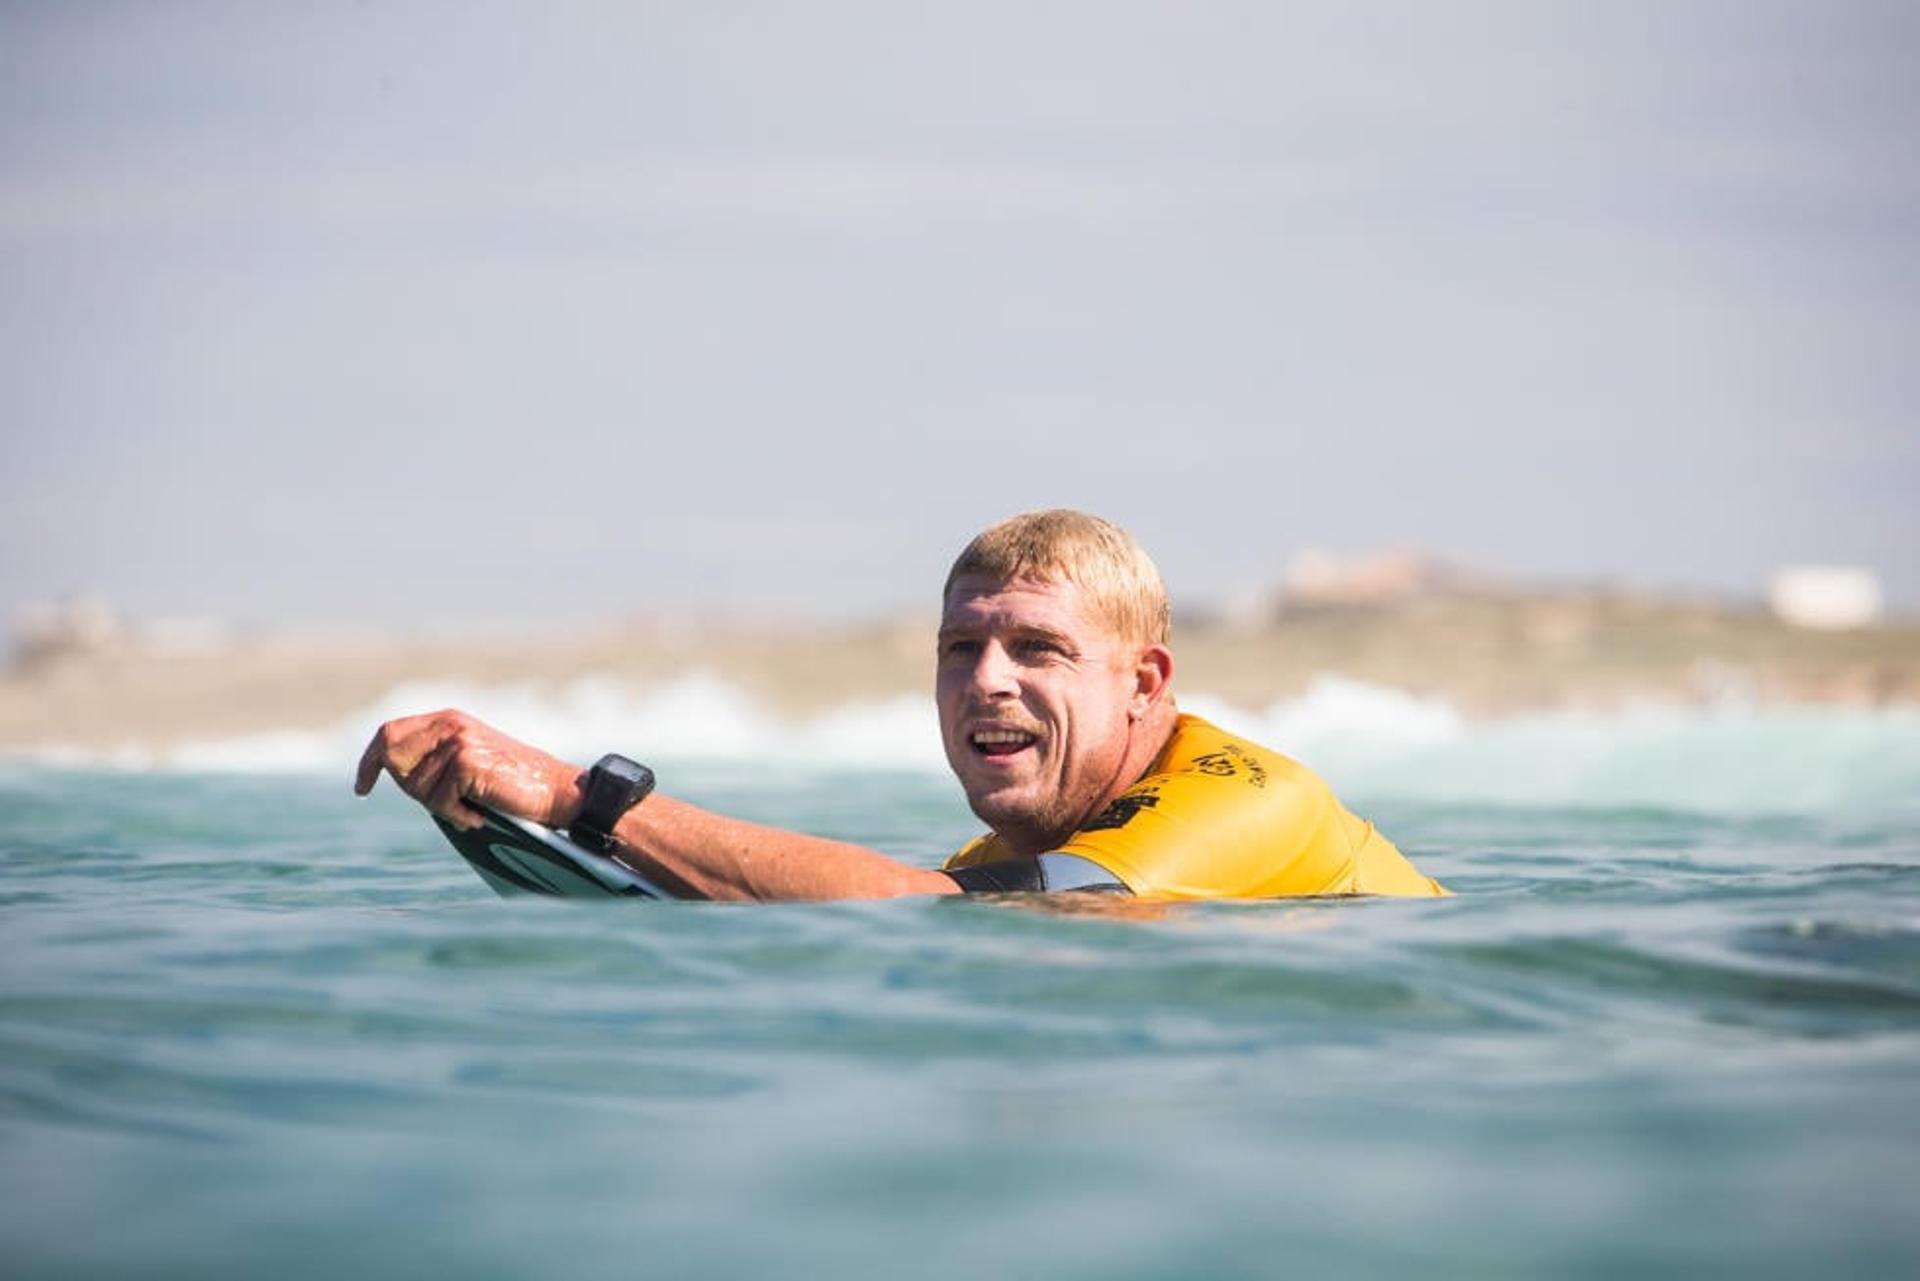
{"points": [[514, 857]]}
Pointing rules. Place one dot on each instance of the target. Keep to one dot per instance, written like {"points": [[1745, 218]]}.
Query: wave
{"points": [[1374, 744], [1736, 759]]}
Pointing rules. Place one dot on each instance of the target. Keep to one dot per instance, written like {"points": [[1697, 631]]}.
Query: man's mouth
{"points": [[1001, 742]]}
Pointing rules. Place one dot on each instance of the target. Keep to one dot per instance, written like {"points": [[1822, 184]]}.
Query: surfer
{"points": [[1053, 681]]}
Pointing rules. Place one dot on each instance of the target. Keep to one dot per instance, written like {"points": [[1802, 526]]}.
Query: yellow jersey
{"points": [[1219, 817]]}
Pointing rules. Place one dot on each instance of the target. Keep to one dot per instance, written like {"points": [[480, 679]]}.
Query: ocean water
{"points": [[1670, 1026]]}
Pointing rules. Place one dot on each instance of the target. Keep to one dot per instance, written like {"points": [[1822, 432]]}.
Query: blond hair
{"points": [[1069, 546]]}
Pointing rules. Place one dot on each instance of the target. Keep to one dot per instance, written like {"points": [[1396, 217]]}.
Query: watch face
{"points": [[627, 771]]}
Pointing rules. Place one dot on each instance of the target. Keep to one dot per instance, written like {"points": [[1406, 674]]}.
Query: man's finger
{"points": [[442, 784], [370, 760], [425, 776], [441, 781], [397, 746]]}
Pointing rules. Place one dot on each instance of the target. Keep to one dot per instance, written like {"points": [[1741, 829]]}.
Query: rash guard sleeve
{"points": [[1038, 874]]}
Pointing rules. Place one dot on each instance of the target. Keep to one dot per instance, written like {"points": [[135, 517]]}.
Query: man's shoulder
{"points": [[1217, 816], [1199, 749]]}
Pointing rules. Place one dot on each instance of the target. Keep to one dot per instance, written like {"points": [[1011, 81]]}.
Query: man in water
{"points": [[1054, 685]]}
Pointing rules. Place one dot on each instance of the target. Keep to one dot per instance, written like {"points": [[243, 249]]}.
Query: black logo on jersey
{"points": [[1121, 812], [1228, 762]]}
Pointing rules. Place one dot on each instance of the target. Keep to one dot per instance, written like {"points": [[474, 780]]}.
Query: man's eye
{"points": [[1041, 648], [959, 649]]}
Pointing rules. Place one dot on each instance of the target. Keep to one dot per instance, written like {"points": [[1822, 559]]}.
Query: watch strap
{"points": [[615, 785]]}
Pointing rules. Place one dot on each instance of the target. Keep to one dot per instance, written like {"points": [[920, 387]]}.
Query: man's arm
{"points": [[713, 856], [447, 759]]}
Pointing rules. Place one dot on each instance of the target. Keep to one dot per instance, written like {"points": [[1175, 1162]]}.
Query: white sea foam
{"points": [[1735, 758], [700, 718], [1373, 743]]}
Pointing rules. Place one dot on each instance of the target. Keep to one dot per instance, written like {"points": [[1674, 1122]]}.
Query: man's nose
{"points": [[993, 671]]}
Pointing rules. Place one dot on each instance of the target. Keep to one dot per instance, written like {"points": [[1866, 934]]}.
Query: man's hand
{"points": [[446, 759]]}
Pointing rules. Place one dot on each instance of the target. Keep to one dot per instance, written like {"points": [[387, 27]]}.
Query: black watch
{"points": [[614, 786]]}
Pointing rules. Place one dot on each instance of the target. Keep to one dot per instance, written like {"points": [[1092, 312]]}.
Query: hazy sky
{"points": [[411, 312]]}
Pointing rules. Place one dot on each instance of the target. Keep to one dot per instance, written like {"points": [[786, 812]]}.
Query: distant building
{"points": [[44, 631], [1827, 597], [88, 626], [1316, 577]]}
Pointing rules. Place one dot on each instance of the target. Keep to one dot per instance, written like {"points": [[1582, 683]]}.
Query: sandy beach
{"points": [[1488, 654]]}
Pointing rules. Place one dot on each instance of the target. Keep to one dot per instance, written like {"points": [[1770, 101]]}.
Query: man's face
{"points": [[1034, 693]]}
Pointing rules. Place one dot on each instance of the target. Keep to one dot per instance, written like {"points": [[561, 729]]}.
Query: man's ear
{"points": [[1152, 677]]}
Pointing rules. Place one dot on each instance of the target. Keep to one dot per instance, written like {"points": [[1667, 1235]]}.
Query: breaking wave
{"points": [[1372, 743]]}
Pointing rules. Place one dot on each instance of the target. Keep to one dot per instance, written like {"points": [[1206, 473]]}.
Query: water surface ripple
{"points": [[250, 1026]]}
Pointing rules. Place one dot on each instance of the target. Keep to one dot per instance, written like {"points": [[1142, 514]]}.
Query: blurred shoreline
{"points": [[1489, 654]]}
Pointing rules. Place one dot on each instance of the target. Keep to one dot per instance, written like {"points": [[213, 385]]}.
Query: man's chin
{"points": [[1008, 811]]}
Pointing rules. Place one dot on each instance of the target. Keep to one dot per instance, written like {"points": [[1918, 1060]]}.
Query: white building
{"points": [[1828, 597]]}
